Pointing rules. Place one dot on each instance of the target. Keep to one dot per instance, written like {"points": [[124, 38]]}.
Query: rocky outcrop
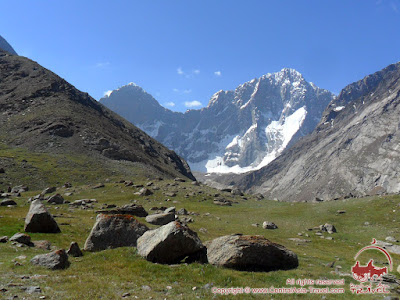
{"points": [[39, 219], [55, 260], [250, 253], [170, 244], [113, 231]]}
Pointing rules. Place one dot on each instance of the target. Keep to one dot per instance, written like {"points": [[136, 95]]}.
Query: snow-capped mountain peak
{"points": [[240, 130]]}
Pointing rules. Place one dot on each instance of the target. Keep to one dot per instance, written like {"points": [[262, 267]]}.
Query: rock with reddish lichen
{"points": [[54, 260], [170, 244], [250, 253], [113, 231]]}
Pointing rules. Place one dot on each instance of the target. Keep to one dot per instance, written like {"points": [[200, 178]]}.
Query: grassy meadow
{"points": [[112, 273]]}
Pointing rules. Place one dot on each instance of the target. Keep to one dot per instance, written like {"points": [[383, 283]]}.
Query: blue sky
{"points": [[182, 52]]}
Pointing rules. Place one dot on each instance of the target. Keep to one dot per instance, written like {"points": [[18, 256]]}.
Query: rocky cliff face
{"points": [[239, 130], [354, 150], [43, 113], [4, 45]]}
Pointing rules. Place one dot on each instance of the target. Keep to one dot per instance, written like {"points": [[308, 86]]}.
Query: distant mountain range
{"points": [[4, 45], [239, 130]]}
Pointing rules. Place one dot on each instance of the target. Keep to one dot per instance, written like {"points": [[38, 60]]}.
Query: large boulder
{"points": [[250, 253], [113, 231], [170, 244], [54, 260], [160, 219], [39, 219]]}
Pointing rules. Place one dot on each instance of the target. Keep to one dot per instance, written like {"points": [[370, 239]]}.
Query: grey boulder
{"points": [[170, 244], [7, 202], [74, 250], [269, 225], [21, 238], [327, 228], [250, 253], [128, 209], [39, 219], [160, 219], [56, 199], [113, 231], [54, 260]]}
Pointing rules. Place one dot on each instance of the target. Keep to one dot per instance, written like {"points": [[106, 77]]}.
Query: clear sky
{"points": [[184, 51]]}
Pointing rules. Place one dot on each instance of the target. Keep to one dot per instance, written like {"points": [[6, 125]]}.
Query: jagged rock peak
{"points": [[4, 45], [131, 87]]}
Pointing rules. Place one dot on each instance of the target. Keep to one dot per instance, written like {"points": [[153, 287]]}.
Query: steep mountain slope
{"points": [[353, 151], [4, 45], [239, 130], [43, 113]]}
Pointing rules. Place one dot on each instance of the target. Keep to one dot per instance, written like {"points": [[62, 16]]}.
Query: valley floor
{"points": [[115, 273]]}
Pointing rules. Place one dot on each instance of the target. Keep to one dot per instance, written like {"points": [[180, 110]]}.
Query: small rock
{"points": [[124, 295], [45, 245], [146, 288], [341, 212], [170, 194], [236, 192], [203, 230], [33, 289], [8, 202], [144, 192], [21, 238], [160, 219], [49, 190], [4, 239], [170, 210], [74, 250], [269, 225], [98, 186], [178, 179], [327, 228], [182, 211], [56, 199]]}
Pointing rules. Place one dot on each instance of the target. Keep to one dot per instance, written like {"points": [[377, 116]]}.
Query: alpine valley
{"points": [[239, 130]]}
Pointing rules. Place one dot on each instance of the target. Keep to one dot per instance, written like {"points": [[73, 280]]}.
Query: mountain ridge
{"points": [[4, 45], [44, 113], [352, 152], [238, 130]]}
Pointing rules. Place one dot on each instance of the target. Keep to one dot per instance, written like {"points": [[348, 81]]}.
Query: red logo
{"points": [[369, 271]]}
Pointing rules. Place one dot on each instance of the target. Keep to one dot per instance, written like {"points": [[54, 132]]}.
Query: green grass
{"points": [[108, 274]]}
